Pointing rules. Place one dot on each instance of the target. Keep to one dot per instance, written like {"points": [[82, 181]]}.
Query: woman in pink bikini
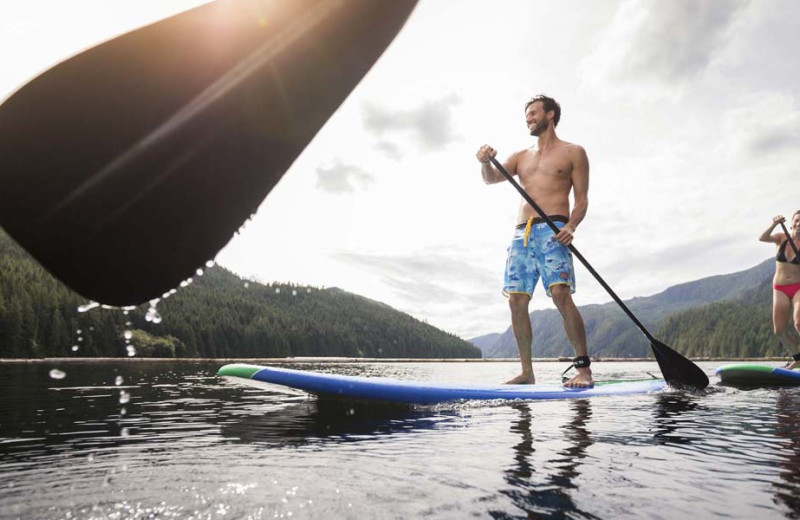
{"points": [[786, 284]]}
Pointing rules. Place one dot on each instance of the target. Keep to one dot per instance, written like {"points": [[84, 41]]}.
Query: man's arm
{"points": [[580, 189], [489, 173]]}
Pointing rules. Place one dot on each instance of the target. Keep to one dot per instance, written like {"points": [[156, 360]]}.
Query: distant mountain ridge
{"points": [[218, 315], [610, 333]]}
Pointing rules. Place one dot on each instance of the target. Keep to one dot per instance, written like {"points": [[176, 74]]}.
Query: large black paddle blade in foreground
{"points": [[676, 369], [128, 166]]}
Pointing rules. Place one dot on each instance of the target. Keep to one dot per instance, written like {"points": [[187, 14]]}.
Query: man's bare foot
{"points": [[582, 380], [791, 366], [522, 379]]}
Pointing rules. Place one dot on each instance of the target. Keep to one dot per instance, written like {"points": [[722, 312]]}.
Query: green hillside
{"points": [[218, 315], [738, 328], [610, 333]]}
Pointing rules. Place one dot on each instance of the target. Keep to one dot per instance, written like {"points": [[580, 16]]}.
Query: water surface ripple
{"points": [[171, 440]]}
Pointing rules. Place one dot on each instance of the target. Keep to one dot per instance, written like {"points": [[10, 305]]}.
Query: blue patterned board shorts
{"points": [[542, 257]]}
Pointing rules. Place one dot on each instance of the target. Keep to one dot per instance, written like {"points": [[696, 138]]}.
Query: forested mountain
{"points": [[611, 333], [738, 328], [218, 315]]}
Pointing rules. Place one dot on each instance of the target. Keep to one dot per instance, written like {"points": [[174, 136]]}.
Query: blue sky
{"points": [[687, 111]]}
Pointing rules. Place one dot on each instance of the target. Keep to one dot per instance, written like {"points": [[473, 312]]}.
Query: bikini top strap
{"points": [[781, 256]]}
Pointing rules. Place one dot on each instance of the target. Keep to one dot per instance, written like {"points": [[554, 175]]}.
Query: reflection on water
{"points": [[674, 418], [162, 440], [550, 497], [313, 421], [788, 428]]}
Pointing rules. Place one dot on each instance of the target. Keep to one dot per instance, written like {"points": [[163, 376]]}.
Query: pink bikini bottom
{"points": [[789, 290]]}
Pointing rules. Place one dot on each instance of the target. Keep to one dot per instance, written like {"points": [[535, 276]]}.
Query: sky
{"points": [[687, 111]]}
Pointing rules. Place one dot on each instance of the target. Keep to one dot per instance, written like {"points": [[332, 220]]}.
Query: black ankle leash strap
{"points": [[578, 362], [796, 357]]}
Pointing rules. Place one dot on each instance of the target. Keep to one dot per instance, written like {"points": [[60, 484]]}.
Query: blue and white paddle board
{"points": [[423, 392], [747, 374]]}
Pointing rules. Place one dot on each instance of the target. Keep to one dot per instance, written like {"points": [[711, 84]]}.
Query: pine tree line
{"points": [[219, 315], [739, 328]]}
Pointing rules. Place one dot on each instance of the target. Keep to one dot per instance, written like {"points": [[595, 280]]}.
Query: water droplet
{"points": [[152, 314], [278, 290], [199, 272], [90, 457], [294, 293], [78, 331], [87, 307], [210, 264], [128, 334], [131, 351], [246, 285], [124, 397], [123, 411], [80, 339], [125, 432], [308, 291], [57, 374], [74, 348], [119, 380]]}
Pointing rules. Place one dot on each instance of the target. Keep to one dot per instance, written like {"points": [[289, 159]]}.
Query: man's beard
{"points": [[538, 129]]}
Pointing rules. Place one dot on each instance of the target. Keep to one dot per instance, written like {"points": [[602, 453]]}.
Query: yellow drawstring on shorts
{"points": [[527, 232]]}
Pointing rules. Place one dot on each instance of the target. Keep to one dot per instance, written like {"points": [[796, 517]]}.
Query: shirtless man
{"points": [[547, 172]]}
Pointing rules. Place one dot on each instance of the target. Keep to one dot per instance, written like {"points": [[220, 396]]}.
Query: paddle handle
{"points": [[791, 242], [572, 248]]}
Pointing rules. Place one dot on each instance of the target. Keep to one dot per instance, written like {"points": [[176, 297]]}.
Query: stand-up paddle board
{"points": [[423, 392], [758, 375]]}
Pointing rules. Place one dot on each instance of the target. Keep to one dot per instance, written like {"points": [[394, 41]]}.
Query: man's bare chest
{"points": [[539, 167]]}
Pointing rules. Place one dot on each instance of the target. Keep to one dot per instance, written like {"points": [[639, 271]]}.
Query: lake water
{"points": [[171, 440]]}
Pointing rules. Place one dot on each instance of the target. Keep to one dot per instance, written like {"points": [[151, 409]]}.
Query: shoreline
{"points": [[334, 360]]}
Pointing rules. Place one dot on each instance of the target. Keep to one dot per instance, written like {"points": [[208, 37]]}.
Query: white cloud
{"points": [[764, 124], [660, 45], [430, 124], [342, 178]]}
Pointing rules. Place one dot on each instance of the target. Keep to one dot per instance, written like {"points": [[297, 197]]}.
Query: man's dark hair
{"points": [[549, 104]]}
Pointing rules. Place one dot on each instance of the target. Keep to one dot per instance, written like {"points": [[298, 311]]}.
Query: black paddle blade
{"points": [[676, 369], [130, 165]]}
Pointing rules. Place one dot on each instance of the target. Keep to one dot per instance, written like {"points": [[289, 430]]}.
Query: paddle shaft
{"points": [[575, 252], [791, 242]]}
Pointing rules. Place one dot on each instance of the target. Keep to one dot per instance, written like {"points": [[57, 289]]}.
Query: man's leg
{"points": [[576, 332], [521, 325]]}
